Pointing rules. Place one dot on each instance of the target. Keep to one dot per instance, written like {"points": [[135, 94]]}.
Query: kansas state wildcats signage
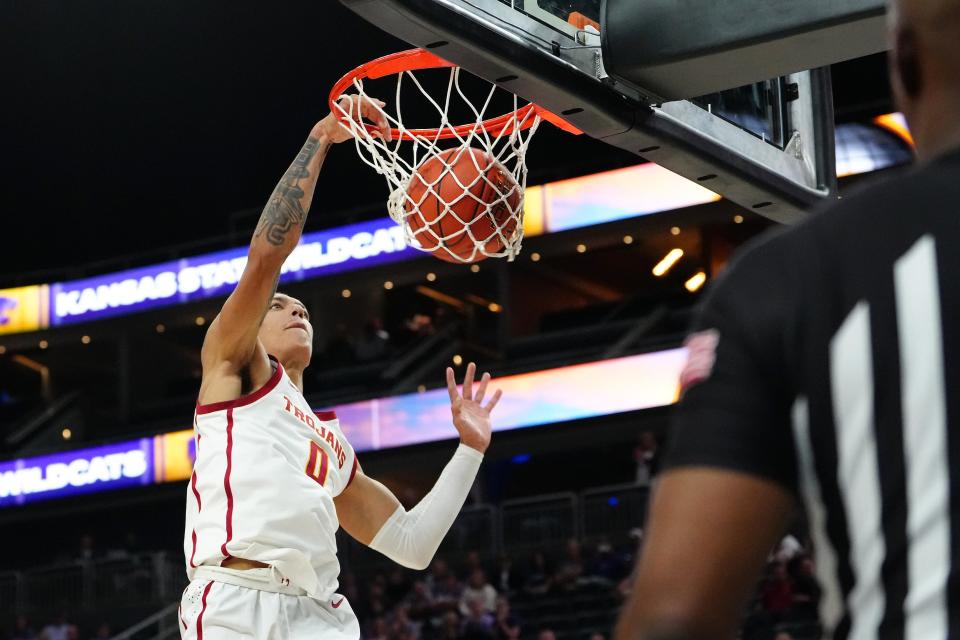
{"points": [[115, 466], [213, 274]]}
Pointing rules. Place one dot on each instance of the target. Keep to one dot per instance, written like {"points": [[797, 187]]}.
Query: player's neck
{"points": [[296, 376]]}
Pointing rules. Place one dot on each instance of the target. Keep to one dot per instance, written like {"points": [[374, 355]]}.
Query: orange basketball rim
{"points": [[419, 59]]}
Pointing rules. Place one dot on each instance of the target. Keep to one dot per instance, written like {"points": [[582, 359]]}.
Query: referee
{"points": [[824, 372]]}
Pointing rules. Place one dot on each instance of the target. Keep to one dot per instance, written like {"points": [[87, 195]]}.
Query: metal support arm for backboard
{"points": [[550, 67]]}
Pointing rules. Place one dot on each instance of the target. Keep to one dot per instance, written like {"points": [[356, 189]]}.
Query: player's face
{"points": [[286, 331]]}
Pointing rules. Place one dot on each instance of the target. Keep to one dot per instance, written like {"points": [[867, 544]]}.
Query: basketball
{"points": [[459, 200]]}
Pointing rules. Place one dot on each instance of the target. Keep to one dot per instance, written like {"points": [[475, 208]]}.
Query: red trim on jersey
{"points": [[326, 416], [250, 397], [203, 607], [353, 471], [226, 483], [193, 485], [194, 552]]}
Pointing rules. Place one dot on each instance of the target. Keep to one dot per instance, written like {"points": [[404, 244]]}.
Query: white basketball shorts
{"points": [[212, 609]]}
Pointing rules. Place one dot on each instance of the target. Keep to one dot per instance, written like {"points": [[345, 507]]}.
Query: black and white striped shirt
{"points": [[837, 375]]}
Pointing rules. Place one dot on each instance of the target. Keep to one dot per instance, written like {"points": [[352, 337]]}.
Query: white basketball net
{"points": [[501, 233]]}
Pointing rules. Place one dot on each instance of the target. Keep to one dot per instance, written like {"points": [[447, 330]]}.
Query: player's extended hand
{"points": [[470, 417], [359, 108]]}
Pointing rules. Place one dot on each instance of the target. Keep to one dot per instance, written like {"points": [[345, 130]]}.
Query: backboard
{"points": [[766, 145]]}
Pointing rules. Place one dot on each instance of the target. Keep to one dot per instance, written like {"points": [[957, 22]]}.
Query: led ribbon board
{"points": [[215, 274], [114, 466], [529, 400]]}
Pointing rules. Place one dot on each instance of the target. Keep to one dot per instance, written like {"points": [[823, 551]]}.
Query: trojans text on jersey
{"points": [[307, 418]]}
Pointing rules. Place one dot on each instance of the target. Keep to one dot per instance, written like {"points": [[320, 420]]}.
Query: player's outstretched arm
{"points": [[231, 341], [370, 513], [710, 531]]}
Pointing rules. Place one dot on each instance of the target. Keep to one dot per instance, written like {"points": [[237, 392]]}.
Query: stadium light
{"points": [[667, 262], [696, 281]]}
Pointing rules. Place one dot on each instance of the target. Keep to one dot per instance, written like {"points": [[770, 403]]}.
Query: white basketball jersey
{"points": [[267, 470]]}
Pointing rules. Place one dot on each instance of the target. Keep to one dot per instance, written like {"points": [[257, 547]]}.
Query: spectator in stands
{"points": [[439, 570], [478, 623], [349, 587], [597, 636], [538, 579], [478, 589], [607, 566], [444, 586], [647, 458], [806, 588], [507, 623], [375, 603], [419, 602], [378, 630], [450, 628], [570, 570], [471, 563], [373, 343], [402, 627], [59, 629], [420, 325], [783, 635], [508, 579], [22, 630], [777, 595], [546, 634]]}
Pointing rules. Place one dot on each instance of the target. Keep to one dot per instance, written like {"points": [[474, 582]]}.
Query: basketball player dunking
{"points": [[272, 480]]}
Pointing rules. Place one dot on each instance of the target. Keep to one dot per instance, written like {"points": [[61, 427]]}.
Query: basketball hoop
{"points": [[456, 190]]}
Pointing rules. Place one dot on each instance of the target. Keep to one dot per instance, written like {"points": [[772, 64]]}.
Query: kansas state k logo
{"points": [[7, 305]]}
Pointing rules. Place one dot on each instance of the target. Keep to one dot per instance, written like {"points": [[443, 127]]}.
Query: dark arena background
{"points": [[139, 142]]}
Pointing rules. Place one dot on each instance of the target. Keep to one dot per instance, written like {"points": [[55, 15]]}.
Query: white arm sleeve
{"points": [[410, 538]]}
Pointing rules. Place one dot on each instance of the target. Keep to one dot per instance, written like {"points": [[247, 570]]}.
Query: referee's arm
{"points": [[727, 496]]}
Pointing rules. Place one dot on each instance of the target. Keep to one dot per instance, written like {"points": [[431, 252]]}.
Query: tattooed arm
{"points": [[231, 342]]}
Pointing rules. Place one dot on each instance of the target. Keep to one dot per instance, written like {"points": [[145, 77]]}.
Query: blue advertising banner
{"points": [[125, 464], [320, 253]]}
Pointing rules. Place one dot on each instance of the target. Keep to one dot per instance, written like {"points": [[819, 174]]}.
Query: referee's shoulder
{"points": [[876, 201], [868, 208]]}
